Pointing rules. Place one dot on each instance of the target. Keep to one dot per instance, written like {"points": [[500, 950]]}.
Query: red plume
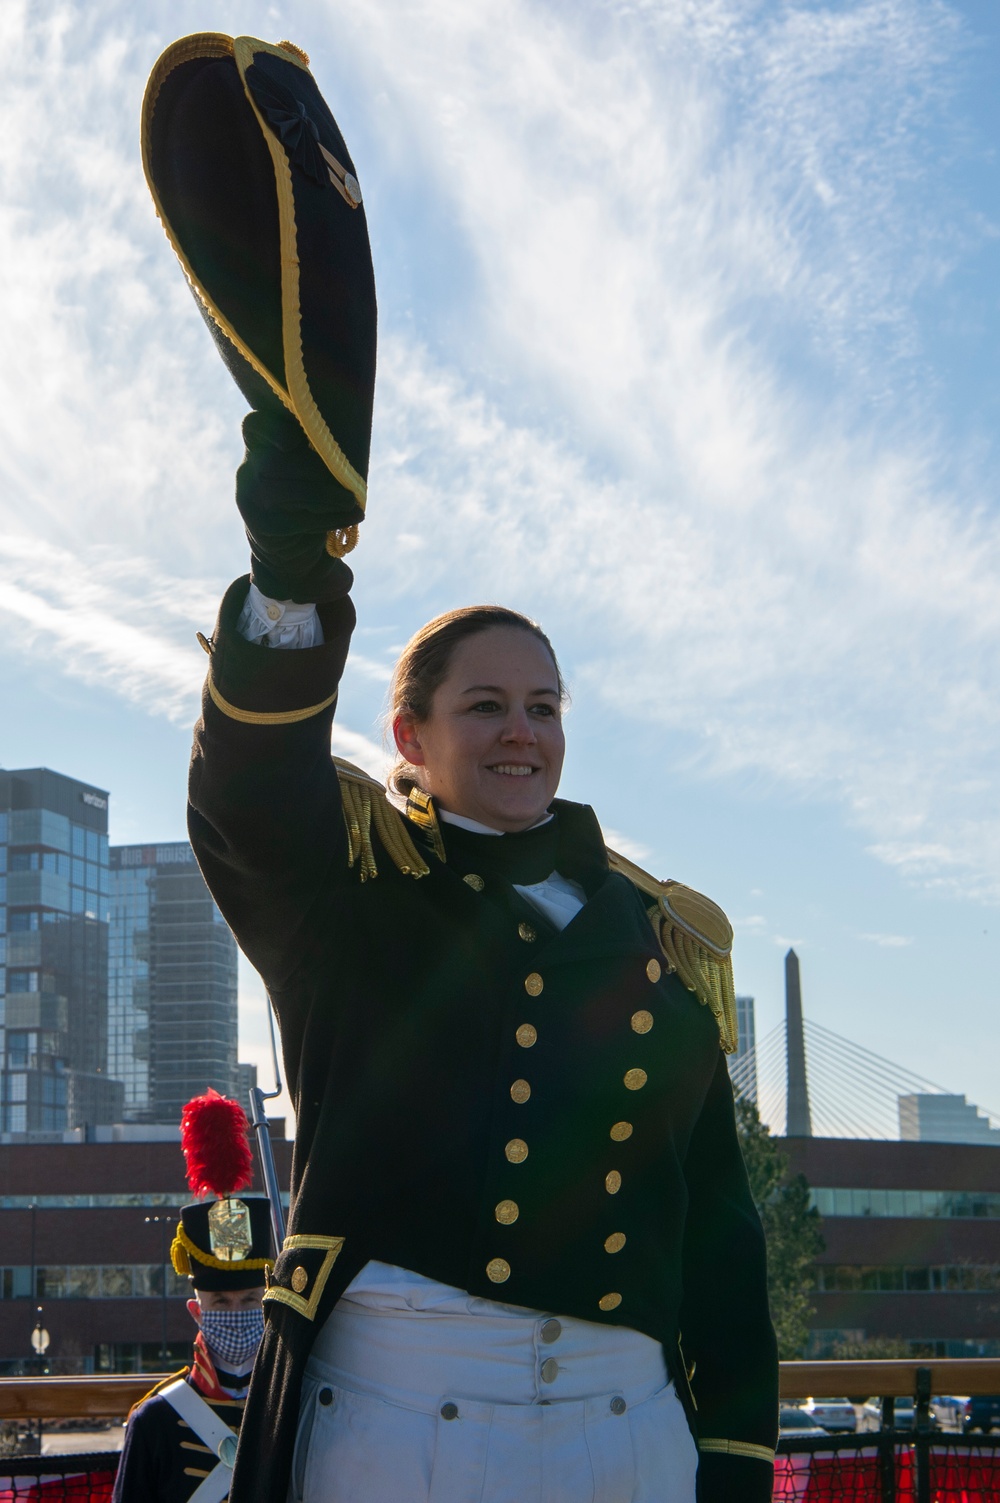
{"points": [[214, 1139]]}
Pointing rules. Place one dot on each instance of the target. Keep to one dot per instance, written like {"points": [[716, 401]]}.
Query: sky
{"points": [[689, 316]]}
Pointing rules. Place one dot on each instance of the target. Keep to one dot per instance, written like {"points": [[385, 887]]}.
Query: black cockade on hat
{"points": [[291, 123]]}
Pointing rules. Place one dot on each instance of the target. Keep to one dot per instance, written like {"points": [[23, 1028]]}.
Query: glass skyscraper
{"points": [[54, 899], [743, 1064], [172, 985]]}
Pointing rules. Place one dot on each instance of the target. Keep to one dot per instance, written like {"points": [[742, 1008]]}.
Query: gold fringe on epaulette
{"points": [[365, 803], [357, 802], [709, 976]]}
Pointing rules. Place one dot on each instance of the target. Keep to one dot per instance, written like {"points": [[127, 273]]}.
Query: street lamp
{"points": [[162, 1222]]}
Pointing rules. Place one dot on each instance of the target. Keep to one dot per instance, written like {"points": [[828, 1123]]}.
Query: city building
{"points": [[54, 894], [930, 1118], [85, 1229], [172, 984], [743, 1063], [246, 1080], [912, 1232]]}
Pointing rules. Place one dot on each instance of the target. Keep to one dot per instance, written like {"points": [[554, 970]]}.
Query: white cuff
{"points": [[279, 623]]}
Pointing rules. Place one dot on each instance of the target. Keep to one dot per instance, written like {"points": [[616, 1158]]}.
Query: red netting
{"points": [[58, 1479], [960, 1471]]}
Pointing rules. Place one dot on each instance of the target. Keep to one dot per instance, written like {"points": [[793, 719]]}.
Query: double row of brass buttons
{"points": [[634, 1079], [516, 1150]]}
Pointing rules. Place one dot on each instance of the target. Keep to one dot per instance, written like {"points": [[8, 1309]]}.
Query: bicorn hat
{"points": [[223, 1242], [260, 199]]}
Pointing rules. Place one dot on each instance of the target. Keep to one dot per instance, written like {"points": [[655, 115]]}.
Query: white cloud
{"points": [[888, 941], [632, 850]]}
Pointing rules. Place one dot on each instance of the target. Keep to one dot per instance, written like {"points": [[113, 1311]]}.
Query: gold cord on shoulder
{"points": [[708, 975], [365, 803]]}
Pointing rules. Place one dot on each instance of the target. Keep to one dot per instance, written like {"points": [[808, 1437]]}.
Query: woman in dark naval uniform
{"points": [[523, 1260]]}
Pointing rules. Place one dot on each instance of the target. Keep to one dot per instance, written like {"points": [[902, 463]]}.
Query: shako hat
{"points": [[259, 197], [224, 1242]]}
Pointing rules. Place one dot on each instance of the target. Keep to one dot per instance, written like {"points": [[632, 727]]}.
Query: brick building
{"points": [[80, 1238], [912, 1235]]}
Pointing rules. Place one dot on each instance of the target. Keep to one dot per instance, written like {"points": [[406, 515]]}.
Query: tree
{"points": [[791, 1227]]}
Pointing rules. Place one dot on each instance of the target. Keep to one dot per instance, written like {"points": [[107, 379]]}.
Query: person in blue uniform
{"points": [[523, 1259]]}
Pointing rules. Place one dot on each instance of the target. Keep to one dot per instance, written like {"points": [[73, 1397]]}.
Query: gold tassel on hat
{"points": [[179, 1254]]}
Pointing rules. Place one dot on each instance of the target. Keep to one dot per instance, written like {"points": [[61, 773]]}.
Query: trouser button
{"points": [[326, 1396], [618, 1405], [551, 1331], [449, 1411], [550, 1370]]}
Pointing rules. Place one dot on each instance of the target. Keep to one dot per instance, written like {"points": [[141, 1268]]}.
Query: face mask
{"points": [[233, 1335]]}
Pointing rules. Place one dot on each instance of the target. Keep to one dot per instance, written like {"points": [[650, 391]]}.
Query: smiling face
{"points": [[492, 747]]}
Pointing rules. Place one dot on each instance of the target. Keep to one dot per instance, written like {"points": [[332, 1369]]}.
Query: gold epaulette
{"points": [[366, 804], [181, 1372], [697, 940]]}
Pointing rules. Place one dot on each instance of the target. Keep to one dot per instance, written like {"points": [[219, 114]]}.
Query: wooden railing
{"points": [[111, 1397], [890, 1379]]}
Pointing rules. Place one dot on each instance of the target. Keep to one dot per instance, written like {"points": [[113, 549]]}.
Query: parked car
{"points": [[831, 1414], [982, 1412], [950, 1411], [797, 1423], [904, 1416]]}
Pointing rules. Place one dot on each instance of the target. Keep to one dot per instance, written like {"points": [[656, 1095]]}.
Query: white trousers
{"points": [[477, 1402]]}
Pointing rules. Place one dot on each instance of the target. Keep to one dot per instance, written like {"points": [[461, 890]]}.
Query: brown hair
{"points": [[426, 659]]}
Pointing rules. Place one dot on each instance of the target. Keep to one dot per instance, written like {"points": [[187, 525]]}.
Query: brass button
{"points": [[527, 933], [299, 1279], [507, 1212], [642, 1021], [609, 1301], [551, 1331], [550, 1370], [653, 970], [526, 1035], [615, 1242], [635, 1079], [474, 881], [516, 1151], [498, 1270], [520, 1091], [533, 984], [613, 1182], [621, 1131]]}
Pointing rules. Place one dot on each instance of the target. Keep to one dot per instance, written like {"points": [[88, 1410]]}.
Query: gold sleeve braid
{"points": [[365, 804], [745, 1448], [697, 940]]}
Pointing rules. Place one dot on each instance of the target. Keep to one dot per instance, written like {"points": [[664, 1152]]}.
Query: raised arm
{"points": [[259, 198]]}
